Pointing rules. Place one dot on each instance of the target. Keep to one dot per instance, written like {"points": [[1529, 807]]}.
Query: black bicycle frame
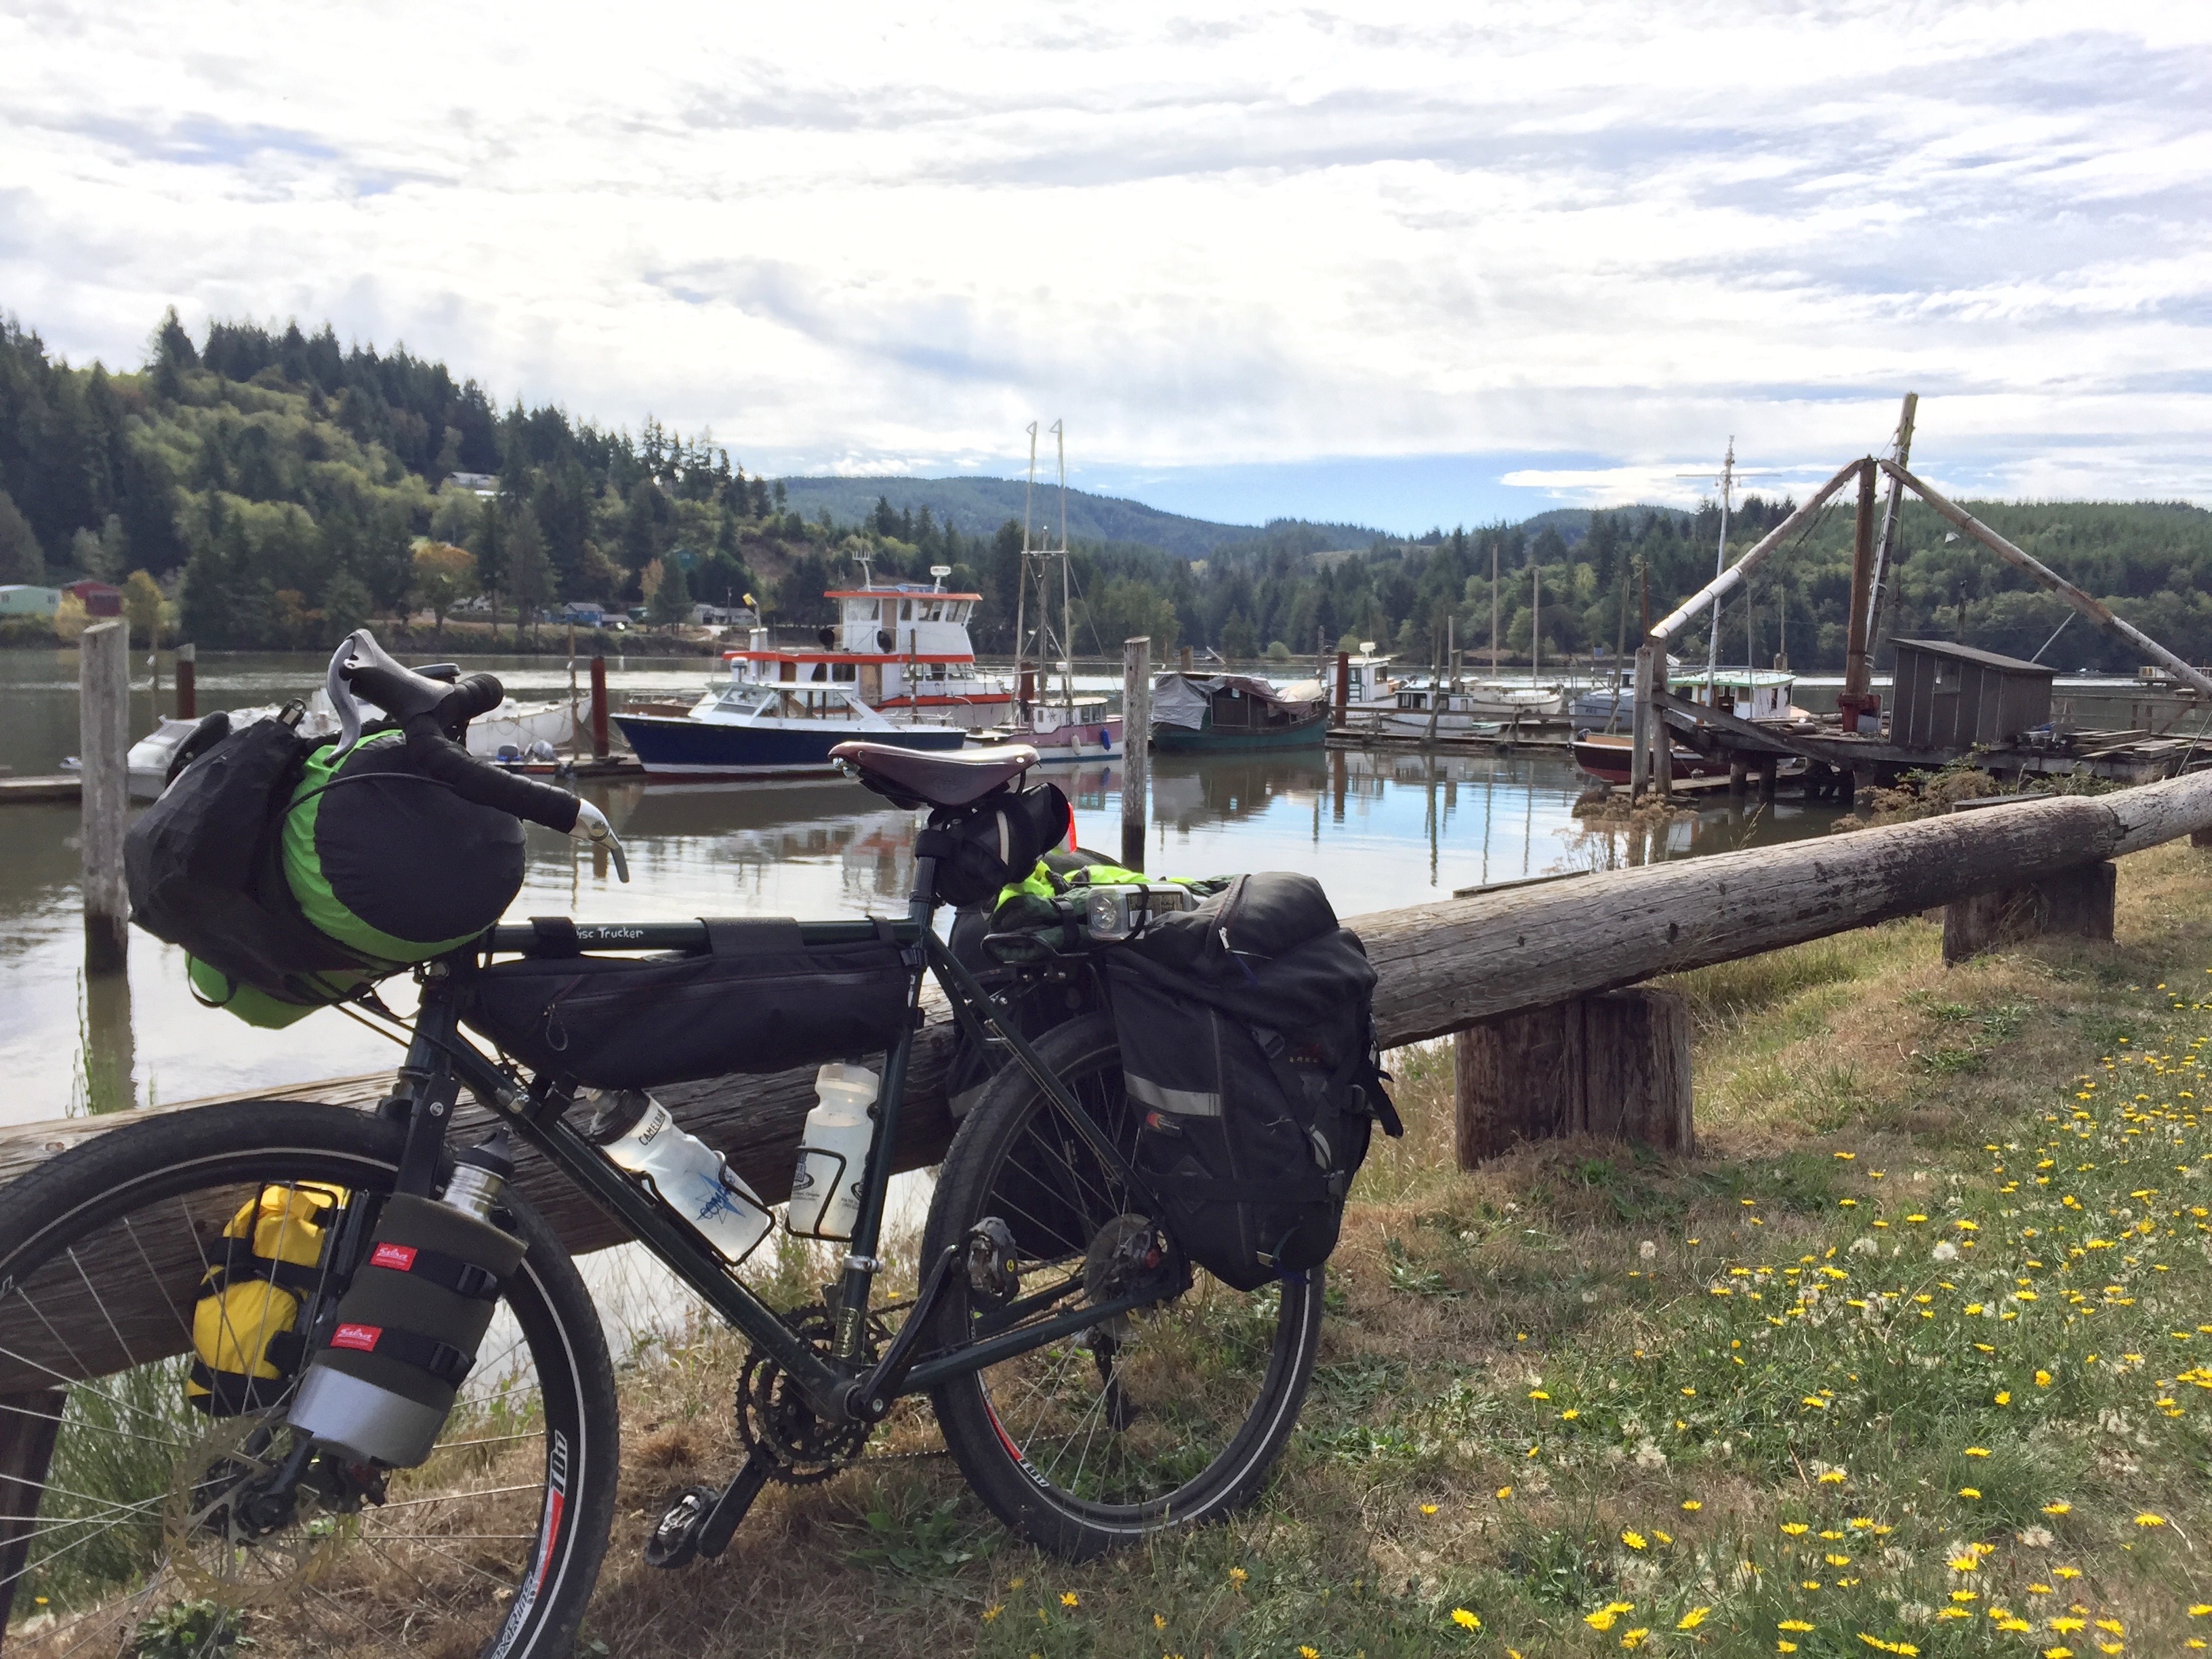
{"points": [[440, 1061]]}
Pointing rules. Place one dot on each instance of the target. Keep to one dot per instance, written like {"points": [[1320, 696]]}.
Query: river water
{"points": [[1380, 830]]}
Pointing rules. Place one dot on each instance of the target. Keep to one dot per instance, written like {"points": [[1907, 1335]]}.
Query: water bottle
{"points": [[636, 1131], [833, 1153]]}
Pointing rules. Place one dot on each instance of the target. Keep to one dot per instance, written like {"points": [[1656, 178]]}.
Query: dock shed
{"points": [[1952, 696]]}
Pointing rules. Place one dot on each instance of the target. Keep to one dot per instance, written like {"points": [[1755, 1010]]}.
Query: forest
{"points": [[282, 489]]}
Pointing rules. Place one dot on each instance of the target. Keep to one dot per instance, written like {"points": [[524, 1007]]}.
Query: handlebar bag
{"points": [[760, 999], [1248, 1042]]}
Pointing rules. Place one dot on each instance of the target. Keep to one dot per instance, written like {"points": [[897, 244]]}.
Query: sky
{"points": [[1400, 266]]}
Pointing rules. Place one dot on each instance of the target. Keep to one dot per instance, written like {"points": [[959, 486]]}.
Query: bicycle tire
{"points": [[1204, 1361], [156, 1187]]}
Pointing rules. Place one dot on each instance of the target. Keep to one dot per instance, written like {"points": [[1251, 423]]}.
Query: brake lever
{"points": [[343, 702], [592, 826]]}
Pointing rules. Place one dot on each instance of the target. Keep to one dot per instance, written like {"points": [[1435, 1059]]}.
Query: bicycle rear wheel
{"points": [[1168, 1416], [158, 1527]]}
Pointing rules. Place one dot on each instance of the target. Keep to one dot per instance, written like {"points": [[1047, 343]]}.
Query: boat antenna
{"points": [[1066, 604], [1022, 579]]}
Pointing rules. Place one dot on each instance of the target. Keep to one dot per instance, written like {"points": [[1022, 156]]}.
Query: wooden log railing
{"points": [[1446, 965]]}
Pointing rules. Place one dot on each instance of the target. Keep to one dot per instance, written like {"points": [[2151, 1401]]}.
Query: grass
{"points": [[1906, 1359]]}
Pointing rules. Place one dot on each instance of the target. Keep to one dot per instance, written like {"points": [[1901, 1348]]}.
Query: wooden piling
{"points": [[1640, 713], [599, 708], [188, 691], [103, 741], [1136, 746], [1343, 689], [1616, 1067]]}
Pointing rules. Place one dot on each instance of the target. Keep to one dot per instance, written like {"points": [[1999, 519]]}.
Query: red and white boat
{"points": [[901, 648]]}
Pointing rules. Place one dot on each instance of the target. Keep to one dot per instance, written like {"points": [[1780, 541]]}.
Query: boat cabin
{"points": [[898, 646], [1952, 696], [1749, 694]]}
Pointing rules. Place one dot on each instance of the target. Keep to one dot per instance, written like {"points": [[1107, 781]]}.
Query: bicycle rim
{"points": [[1176, 1414], [139, 1538]]}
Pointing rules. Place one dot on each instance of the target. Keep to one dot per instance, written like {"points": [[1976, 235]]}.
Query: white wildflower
{"points": [[1647, 1250]]}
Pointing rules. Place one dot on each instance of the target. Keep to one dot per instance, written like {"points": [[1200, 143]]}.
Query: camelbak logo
{"points": [[400, 1258], [363, 1338]]}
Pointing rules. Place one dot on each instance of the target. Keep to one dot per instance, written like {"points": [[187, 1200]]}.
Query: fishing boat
{"points": [[901, 648], [1064, 728], [1609, 757], [1235, 711], [1463, 710], [1748, 694], [770, 729]]}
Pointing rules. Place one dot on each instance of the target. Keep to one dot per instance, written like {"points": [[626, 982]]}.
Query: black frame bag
{"points": [[761, 999], [1247, 1041]]}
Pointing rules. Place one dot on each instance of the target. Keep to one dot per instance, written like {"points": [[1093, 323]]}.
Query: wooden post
{"points": [[1137, 746], [1614, 1065], [103, 740], [599, 708], [2075, 903], [188, 691], [2200, 838], [1662, 738], [1343, 689], [1858, 668], [1766, 766], [28, 1425], [1739, 774], [1639, 742], [1185, 659]]}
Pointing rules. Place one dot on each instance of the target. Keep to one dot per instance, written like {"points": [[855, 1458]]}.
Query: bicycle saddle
{"points": [[917, 777]]}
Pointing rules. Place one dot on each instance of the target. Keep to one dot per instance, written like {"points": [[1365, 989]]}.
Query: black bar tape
{"points": [[437, 756]]}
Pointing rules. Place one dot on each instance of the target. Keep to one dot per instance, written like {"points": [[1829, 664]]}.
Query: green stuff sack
{"points": [[246, 1349], [391, 864]]}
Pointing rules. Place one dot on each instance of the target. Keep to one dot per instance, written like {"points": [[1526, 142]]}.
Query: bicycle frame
{"points": [[440, 1061]]}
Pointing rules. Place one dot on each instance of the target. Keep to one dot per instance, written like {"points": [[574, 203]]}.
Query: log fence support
{"points": [[2075, 903], [1615, 1066]]}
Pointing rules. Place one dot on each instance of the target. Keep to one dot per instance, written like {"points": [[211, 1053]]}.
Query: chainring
{"points": [[779, 1426]]}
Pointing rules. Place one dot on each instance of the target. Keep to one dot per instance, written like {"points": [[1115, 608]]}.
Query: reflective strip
{"points": [[1184, 1103]]}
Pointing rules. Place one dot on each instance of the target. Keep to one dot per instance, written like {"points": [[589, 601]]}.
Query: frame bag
{"points": [[1248, 1042], [761, 999]]}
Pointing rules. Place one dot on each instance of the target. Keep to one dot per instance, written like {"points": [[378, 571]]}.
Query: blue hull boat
{"points": [[679, 746]]}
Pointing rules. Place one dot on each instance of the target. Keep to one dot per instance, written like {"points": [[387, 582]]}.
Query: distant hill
{"points": [[1573, 522], [977, 507]]}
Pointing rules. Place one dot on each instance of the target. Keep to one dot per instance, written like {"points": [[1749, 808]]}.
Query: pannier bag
{"points": [[980, 848], [406, 1330], [1247, 1041], [293, 880], [761, 999], [247, 1347]]}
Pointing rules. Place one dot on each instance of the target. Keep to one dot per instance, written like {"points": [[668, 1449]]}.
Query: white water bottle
{"points": [[636, 1131], [833, 1153]]}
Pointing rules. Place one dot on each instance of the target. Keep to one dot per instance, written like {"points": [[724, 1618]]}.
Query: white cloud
{"points": [[868, 237]]}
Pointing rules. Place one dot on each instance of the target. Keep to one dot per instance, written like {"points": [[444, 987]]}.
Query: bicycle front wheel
{"points": [[157, 1528], [1168, 1416]]}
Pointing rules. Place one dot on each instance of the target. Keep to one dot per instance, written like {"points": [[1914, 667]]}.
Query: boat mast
{"points": [[1066, 605], [1536, 621], [1021, 581], [1720, 564], [1493, 636]]}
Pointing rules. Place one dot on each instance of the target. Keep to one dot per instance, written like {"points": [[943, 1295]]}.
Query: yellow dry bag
{"points": [[246, 1352]]}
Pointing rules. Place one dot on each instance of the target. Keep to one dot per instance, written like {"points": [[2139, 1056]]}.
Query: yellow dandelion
{"points": [[993, 1611], [1504, 1493], [1159, 1622], [2112, 1627], [1663, 1536], [1428, 1509], [2058, 1507], [1308, 1650], [2147, 1519], [1977, 1451], [1237, 1576], [1692, 1505], [1794, 1529], [2004, 1396], [1693, 1618], [1786, 1647], [1970, 1492], [1635, 1638], [1796, 1624], [1634, 1539], [1070, 1599], [2068, 1627], [1831, 1477], [1465, 1619], [2202, 1609], [1538, 1394]]}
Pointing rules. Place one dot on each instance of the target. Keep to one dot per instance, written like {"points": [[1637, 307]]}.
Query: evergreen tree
{"points": [[671, 603], [22, 559]]}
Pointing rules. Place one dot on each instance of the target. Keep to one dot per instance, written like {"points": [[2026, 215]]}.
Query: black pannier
{"points": [[981, 847], [761, 999], [1247, 1041]]}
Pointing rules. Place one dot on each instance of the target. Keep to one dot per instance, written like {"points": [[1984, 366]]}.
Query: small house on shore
{"points": [[1954, 697]]}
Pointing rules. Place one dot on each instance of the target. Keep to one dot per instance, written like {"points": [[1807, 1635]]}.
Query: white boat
{"points": [[1062, 733], [1463, 710], [902, 649]]}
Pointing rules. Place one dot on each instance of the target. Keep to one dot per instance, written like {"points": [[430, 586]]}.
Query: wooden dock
{"points": [[55, 786]]}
